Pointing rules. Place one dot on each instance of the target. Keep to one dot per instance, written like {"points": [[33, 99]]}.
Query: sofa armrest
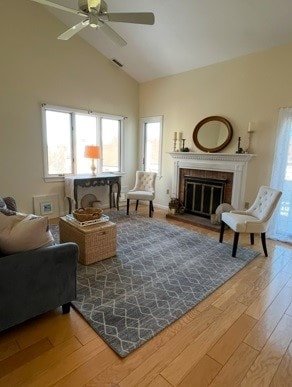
{"points": [[36, 281]]}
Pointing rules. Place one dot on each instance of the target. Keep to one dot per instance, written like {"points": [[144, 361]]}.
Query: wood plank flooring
{"points": [[241, 335]]}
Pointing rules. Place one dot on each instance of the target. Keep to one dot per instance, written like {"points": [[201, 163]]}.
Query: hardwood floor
{"points": [[241, 335]]}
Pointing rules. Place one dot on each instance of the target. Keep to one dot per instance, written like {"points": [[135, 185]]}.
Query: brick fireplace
{"points": [[202, 191], [203, 195], [231, 168]]}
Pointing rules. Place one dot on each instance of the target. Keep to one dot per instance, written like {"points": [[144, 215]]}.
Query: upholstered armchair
{"points": [[253, 220], [144, 189]]}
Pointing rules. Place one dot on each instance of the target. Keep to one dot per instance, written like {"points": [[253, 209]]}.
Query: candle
{"points": [[175, 136], [250, 127], [180, 136]]}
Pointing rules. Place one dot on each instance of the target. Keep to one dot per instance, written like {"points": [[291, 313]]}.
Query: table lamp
{"points": [[92, 152]]}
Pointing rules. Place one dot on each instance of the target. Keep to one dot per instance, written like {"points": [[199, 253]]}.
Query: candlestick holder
{"points": [[174, 144], [183, 149], [239, 149], [183, 144]]}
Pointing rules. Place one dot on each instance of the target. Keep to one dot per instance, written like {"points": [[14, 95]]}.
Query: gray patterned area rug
{"points": [[160, 272]]}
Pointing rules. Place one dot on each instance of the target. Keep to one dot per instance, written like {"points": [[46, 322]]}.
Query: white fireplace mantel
{"points": [[235, 163]]}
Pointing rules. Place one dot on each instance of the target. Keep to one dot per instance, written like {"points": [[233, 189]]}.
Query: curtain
{"points": [[280, 227]]}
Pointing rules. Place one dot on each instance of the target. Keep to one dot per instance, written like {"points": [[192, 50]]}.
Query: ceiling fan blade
{"points": [[110, 33], [54, 5], [133, 17], [73, 30]]}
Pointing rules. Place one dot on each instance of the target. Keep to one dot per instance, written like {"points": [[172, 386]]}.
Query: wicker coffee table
{"points": [[96, 242]]}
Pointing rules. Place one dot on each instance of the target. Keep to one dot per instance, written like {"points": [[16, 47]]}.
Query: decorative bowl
{"points": [[86, 214]]}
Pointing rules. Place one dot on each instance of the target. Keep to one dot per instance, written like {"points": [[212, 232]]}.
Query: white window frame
{"points": [[73, 112], [143, 122]]}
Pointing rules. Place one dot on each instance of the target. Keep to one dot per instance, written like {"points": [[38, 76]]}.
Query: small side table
{"points": [[96, 242], [72, 182]]}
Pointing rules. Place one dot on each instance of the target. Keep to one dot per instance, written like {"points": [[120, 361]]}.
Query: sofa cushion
{"points": [[24, 232]]}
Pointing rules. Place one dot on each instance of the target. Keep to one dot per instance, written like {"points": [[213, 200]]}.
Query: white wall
{"points": [[250, 88], [37, 68]]}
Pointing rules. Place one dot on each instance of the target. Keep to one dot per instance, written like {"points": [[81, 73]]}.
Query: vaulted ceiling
{"points": [[187, 34]]}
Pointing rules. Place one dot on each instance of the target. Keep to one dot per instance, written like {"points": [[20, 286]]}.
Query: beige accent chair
{"points": [[144, 189], [253, 220]]}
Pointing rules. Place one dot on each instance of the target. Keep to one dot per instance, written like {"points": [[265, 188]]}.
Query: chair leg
{"points": [[150, 208], [252, 239], [235, 243], [66, 308], [137, 203], [221, 231], [263, 237], [128, 206]]}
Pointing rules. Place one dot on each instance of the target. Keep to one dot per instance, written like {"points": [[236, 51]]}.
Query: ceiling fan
{"points": [[96, 16]]}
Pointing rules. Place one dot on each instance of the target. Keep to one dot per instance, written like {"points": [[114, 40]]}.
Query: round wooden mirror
{"points": [[212, 134]]}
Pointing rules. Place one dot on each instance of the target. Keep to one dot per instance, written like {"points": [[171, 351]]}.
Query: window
{"points": [[151, 134], [59, 155], [110, 137], [84, 137], [67, 131], [280, 227]]}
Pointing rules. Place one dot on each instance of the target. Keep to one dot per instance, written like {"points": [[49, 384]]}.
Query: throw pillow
{"points": [[4, 209], [23, 233], [2, 204]]}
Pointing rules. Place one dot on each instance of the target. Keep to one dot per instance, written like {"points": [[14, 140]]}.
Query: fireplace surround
{"points": [[216, 166]]}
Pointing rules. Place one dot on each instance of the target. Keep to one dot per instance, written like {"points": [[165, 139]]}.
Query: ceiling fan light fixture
{"points": [[93, 21], [93, 4]]}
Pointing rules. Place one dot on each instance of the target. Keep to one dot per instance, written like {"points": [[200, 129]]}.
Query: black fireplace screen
{"points": [[203, 195]]}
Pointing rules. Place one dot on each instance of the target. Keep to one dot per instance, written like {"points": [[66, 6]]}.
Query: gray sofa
{"points": [[36, 281]]}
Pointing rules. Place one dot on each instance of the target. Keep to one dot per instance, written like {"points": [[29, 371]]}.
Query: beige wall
{"points": [[250, 88], [37, 68]]}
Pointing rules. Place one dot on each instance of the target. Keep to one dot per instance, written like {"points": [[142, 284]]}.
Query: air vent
{"points": [[117, 62]]}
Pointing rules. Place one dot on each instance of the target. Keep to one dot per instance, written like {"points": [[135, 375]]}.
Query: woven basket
{"points": [[85, 214], [96, 242]]}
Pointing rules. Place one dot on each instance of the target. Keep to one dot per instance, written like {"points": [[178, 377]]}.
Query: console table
{"points": [[72, 183]]}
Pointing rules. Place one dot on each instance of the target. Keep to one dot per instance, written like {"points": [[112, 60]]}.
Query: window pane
{"points": [[152, 146], [58, 126], [110, 132], [288, 172], [85, 135]]}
